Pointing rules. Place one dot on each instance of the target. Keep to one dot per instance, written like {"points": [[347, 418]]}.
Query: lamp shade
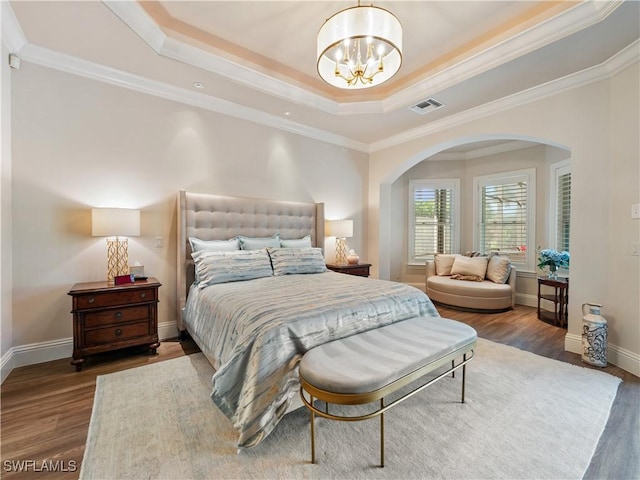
{"points": [[341, 228], [115, 222]]}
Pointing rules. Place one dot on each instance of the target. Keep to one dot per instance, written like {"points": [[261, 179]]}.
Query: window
{"points": [[560, 205], [434, 218], [504, 216]]}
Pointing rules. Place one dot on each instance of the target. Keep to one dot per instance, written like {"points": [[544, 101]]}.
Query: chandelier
{"points": [[359, 45]]}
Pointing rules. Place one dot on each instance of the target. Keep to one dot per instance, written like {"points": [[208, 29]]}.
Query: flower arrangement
{"points": [[553, 259]]}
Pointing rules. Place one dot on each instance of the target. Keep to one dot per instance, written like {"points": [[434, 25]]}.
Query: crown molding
{"points": [[611, 67], [559, 26], [12, 34], [39, 55], [67, 63], [135, 17], [562, 25], [482, 152]]}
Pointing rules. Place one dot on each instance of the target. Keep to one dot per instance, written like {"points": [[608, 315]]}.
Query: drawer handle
{"points": [[118, 332], [143, 295], [118, 315], [92, 300]]}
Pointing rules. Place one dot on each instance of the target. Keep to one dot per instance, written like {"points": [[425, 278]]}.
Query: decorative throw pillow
{"points": [[257, 243], [444, 263], [472, 278], [470, 266], [304, 242], [498, 269], [198, 245], [223, 267], [288, 261]]}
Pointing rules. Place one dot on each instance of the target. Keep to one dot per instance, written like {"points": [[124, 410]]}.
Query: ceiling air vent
{"points": [[426, 106]]}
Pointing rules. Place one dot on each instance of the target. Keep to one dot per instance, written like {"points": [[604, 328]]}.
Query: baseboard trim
{"points": [[42, 352], [167, 330], [526, 300], [618, 356], [33, 353], [6, 365]]}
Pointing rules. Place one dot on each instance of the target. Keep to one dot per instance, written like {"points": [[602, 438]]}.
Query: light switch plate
{"points": [[635, 210]]}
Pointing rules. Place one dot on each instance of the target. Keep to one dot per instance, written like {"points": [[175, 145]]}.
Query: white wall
{"points": [[587, 120], [623, 275], [78, 144], [6, 331]]}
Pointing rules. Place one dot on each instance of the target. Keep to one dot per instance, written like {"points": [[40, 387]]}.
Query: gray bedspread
{"points": [[256, 332]]}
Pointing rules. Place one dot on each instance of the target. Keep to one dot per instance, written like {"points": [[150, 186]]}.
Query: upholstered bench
{"points": [[368, 366]]}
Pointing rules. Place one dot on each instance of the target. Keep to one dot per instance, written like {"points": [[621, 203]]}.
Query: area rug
{"points": [[525, 417]]}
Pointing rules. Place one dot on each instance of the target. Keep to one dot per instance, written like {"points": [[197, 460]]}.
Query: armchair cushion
{"points": [[475, 266], [498, 269], [443, 263]]}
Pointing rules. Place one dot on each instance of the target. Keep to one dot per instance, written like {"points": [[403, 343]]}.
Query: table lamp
{"points": [[116, 222], [341, 229]]}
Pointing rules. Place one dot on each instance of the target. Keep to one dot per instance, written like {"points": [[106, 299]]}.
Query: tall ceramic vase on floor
{"points": [[594, 336]]}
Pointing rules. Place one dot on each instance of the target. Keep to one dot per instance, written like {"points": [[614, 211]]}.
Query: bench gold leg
{"points": [[313, 435], [464, 372], [382, 434]]}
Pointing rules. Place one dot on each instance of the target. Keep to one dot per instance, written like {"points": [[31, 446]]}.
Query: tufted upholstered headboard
{"points": [[216, 217]]}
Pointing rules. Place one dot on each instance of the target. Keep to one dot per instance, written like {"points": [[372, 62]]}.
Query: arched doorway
{"points": [[461, 158]]}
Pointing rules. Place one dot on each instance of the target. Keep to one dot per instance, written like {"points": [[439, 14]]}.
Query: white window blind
{"points": [[563, 211], [505, 215], [434, 218]]}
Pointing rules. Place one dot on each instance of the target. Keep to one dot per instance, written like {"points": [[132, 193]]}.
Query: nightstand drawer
{"points": [[116, 298], [116, 334], [104, 318], [360, 271]]}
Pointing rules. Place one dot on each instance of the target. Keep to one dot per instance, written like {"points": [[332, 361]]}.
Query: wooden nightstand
{"points": [[359, 269], [559, 297], [107, 317]]}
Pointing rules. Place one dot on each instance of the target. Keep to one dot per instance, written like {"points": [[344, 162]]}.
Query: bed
{"points": [[255, 331]]}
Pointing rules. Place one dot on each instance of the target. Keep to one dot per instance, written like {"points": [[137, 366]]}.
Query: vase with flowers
{"points": [[554, 260]]}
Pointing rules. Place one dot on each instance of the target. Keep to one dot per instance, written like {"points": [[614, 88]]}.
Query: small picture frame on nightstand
{"points": [[137, 271]]}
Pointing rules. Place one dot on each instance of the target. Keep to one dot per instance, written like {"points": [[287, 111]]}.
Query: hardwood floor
{"points": [[46, 408]]}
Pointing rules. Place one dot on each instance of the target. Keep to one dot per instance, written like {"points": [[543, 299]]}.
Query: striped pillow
{"points": [[288, 261], [223, 267]]}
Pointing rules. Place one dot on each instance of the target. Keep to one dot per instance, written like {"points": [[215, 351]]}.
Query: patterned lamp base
{"points": [[341, 251], [117, 258]]}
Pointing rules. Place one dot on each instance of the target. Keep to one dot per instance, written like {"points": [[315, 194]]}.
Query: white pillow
{"points": [[289, 261], [223, 267], [304, 242], [498, 269], [470, 266], [444, 263], [257, 243], [198, 245]]}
